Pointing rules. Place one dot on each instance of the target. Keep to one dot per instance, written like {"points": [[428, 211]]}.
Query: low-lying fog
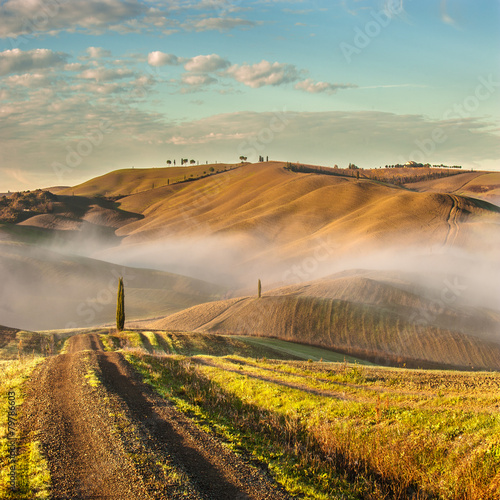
{"points": [[46, 289]]}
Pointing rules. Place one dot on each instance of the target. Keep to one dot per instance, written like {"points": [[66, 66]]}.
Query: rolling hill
{"points": [[130, 181], [261, 216], [481, 185], [43, 289], [263, 219], [372, 315], [354, 265]]}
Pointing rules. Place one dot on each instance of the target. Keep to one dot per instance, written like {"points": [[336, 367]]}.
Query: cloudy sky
{"points": [[89, 86]]}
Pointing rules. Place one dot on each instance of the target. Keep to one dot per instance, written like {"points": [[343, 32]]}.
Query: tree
{"points": [[120, 306], [259, 289], [357, 174], [243, 158], [192, 162], [169, 162]]}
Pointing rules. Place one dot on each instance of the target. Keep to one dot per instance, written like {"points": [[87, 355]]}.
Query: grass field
{"points": [[194, 344], [342, 430], [380, 332], [31, 472], [301, 351], [326, 429]]}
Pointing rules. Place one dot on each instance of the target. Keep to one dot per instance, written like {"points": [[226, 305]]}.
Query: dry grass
{"points": [[481, 185], [293, 212], [371, 433], [131, 181], [367, 318], [32, 474]]}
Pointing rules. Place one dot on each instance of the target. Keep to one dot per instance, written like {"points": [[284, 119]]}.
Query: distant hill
{"points": [[263, 210], [480, 185], [42, 289], [7, 335], [130, 181], [79, 221], [319, 238], [376, 316], [263, 219]]}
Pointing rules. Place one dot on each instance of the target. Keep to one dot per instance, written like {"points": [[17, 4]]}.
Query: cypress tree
{"points": [[120, 306], [259, 289]]}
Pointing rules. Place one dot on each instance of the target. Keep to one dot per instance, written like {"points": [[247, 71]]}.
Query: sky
{"points": [[90, 86]]}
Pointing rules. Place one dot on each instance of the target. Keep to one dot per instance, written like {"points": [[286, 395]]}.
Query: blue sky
{"points": [[89, 86]]}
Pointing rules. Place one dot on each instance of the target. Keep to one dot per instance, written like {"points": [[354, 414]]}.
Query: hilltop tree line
{"points": [[186, 161], [306, 169], [400, 175], [421, 165], [407, 176]]}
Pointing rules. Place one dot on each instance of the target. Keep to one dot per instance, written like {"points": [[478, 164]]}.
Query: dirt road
{"points": [[107, 435]]}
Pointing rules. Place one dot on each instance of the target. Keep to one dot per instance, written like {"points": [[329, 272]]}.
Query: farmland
{"points": [[344, 429]]}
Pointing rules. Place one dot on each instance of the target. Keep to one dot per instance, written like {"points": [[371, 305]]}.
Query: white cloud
{"points": [[197, 80], [264, 73], [158, 58], [26, 18], [29, 80], [313, 87], [98, 52], [18, 61], [21, 20], [206, 64], [102, 74], [74, 67], [220, 24]]}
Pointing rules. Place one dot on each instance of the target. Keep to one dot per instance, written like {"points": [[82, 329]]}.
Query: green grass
{"points": [[345, 431], [302, 351], [132, 338], [32, 471], [192, 344]]}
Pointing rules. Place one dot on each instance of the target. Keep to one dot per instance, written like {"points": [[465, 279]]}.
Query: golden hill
{"points": [[261, 216], [481, 185], [281, 206], [7, 335], [370, 315], [263, 212], [71, 219], [130, 181], [42, 289], [264, 221]]}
